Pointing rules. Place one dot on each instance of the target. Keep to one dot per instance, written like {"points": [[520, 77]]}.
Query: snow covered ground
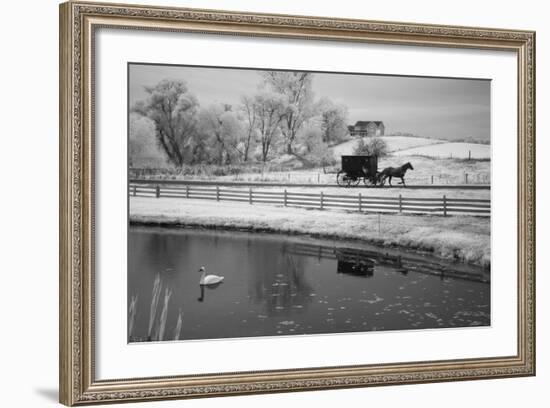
{"points": [[442, 171], [394, 143], [412, 146], [449, 150], [463, 238], [385, 192]]}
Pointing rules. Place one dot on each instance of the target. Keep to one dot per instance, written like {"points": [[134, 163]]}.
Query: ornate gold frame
{"points": [[78, 21]]}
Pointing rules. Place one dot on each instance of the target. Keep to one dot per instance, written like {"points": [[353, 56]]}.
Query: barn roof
{"points": [[366, 122]]}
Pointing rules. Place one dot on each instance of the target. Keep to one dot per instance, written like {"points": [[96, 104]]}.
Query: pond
{"points": [[289, 285]]}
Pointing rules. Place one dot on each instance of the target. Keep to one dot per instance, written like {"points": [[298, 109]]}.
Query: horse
{"points": [[390, 172]]}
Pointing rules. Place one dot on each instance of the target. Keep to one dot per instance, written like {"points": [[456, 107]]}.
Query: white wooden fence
{"points": [[361, 202]]}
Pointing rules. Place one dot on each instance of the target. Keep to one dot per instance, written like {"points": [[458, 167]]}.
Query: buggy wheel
{"points": [[342, 179], [352, 182], [369, 182]]}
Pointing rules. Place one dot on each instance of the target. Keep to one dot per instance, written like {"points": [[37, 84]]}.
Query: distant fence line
{"points": [[214, 183], [361, 202], [319, 178]]}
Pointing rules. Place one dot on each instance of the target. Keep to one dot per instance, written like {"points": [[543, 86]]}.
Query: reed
{"points": [[164, 314], [157, 288], [177, 330], [132, 316]]}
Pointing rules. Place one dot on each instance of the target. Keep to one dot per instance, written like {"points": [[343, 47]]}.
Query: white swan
{"points": [[209, 279]]}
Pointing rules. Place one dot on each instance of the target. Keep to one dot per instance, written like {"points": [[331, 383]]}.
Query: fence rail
{"points": [[361, 202]]}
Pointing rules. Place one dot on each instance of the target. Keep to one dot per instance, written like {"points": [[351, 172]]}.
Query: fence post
{"points": [[400, 203], [321, 200], [285, 197], [157, 191], [444, 205], [432, 178], [360, 203], [318, 178], [250, 195], [217, 193], [466, 178], [135, 191], [187, 191]]}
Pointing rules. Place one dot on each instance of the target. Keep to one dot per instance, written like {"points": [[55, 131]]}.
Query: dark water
{"points": [[280, 285]]}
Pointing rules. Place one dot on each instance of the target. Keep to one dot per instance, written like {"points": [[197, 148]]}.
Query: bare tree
{"points": [[173, 110], [250, 119], [296, 89], [333, 121], [270, 110]]}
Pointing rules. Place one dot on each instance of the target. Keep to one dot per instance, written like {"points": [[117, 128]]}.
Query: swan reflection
{"points": [[209, 287]]}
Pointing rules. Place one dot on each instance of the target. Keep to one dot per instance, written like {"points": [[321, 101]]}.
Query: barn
{"points": [[367, 128]]}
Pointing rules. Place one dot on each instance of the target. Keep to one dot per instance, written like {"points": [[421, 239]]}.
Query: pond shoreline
{"points": [[315, 238], [264, 230], [458, 238], [376, 242]]}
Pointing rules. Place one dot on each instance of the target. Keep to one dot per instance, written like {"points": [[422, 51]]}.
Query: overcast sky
{"points": [[430, 107]]}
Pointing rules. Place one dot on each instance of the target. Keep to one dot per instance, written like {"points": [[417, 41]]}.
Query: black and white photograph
{"points": [[281, 203], [258, 204]]}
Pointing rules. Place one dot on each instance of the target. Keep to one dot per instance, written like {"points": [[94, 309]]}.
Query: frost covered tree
{"points": [[296, 90], [222, 130], [143, 146], [315, 151], [333, 121], [173, 110]]}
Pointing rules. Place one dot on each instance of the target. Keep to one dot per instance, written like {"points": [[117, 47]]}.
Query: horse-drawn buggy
{"points": [[357, 168]]}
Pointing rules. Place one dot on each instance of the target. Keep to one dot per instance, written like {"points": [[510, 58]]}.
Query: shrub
{"points": [[373, 146]]}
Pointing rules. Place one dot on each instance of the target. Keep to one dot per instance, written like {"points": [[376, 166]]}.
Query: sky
{"points": [[446, 108]]}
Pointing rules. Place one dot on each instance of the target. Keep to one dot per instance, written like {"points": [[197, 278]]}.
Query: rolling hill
{"points": [[419, 146], [449, 150]]}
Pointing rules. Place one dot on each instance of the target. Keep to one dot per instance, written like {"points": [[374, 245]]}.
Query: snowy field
{"points": [[394, 143], [386, 192], [462, 238], [443, 171], [426, 170], [449, 150]]}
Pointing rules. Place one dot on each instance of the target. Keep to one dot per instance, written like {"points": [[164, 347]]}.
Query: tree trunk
{"points": [[265, 151], [247, 147]]}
